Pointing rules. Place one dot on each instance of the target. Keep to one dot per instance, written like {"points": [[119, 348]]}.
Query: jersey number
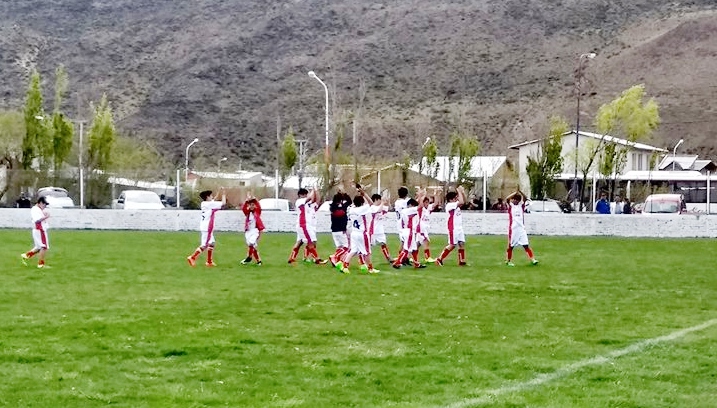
{"points": [[356, 224]]}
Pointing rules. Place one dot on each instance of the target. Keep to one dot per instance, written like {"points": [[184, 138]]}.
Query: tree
{"points": [[465, 148], [62, 128], [35, 143], [102, 143], [137, 160], [628, 117], [288, 155], [12, 132], [548, 162], [430, 153]]}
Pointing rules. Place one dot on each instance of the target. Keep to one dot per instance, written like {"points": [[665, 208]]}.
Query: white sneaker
{"points": [[24, 258]]}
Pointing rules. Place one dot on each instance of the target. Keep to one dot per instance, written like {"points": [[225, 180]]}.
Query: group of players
{"points": [[357, 225]]}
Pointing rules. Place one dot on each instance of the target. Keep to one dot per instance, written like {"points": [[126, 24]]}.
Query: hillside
{"points": [[225, 71]]}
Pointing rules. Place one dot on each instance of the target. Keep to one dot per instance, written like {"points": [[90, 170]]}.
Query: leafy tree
{"points": [[35, 143], [430, 153], [12, 132], [464, 148], [102, 136], [288, 156], [138, 160], [548, 162], [627, 117], [62, 128]]}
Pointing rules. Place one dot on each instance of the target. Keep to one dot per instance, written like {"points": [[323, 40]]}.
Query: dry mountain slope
{"points": [[224, 70]]}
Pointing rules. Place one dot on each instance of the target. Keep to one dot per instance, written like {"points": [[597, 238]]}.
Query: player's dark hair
{"points": [[452, 195], [338, 197], [303, 192], [412, 203], [346, 197], [42, 200], [205, 194], [359, 201], [426, 200], [376, 197], [402, 192]]}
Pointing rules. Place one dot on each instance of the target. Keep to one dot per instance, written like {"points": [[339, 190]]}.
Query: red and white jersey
{"points": [[38, 214], [360, 218], [209, 208], [516, 215], [378, 216], [410, 219], [307, 212], [399, 206], [455, 218], [424, 214]]}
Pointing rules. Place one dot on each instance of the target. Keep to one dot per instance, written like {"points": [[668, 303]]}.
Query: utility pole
{"points": [[302, 156]]}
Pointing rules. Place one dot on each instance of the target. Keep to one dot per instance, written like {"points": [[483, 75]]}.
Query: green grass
{"points": [[122, 320]]}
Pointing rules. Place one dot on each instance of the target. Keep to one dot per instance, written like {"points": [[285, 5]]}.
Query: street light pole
{"points": [[312, 74], [186, 159], [674, 152], [219, 164], [578, 81], [79, 161]]}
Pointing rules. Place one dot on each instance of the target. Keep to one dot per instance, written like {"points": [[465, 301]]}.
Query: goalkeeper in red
{"points": [[516, 231]]}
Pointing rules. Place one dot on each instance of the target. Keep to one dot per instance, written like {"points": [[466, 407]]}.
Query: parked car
{"points": [[56, 197], [535, 206], [274, 204], [138, 200], [664, 204]]}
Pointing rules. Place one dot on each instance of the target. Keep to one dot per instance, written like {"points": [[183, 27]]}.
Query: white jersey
{"points": [[410, 220], [209, 208], [425, 218], [307, 212], [360, 218], [378, 216], [399, 206], [516, 214], [455, 218], [38, 214]]}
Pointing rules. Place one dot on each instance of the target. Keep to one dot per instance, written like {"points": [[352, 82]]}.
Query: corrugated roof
{"points": [[480, 165], [606, 138]]}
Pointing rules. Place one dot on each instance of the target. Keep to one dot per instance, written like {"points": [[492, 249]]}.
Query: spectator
{"points": [[499, 206], [476, 203], [23, 202], [602, 206], [627, 206], [618, 206]]}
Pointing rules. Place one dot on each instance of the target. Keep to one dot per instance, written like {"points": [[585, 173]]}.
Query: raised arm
{"points": [[461, 195]]}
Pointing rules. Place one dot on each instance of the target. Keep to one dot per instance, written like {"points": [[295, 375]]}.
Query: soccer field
{"points": [[120, 319]]}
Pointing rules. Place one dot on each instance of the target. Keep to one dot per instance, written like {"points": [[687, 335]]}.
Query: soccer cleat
{"points": [[509, 263], [24, 259], [373, 271], [363, 268], [246, 261], [191, 261], [345, 271], [321, 261], [42, 266], [291, 261], [419, 266], [307, 260], [439, 262], [258, 263], [339, 266], [462, 263], [396, 265], [210, 264], [332, 260], [430, 260], [534, 261]]}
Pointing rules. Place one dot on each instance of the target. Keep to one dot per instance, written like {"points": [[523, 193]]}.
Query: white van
{"points": [[274, 204], [138, 200]]}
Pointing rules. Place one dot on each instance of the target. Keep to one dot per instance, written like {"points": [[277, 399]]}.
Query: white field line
{"points": [[489, 396]]}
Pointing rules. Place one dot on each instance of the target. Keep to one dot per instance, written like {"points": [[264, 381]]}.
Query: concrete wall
{"points": [[474, 222]]}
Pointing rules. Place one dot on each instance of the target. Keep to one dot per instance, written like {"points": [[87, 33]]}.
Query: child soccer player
{"points": [[425, 208], [411, 222], [398, 207], [516, 232], [456, 236], [377, 230], [360, 242], [306, 225], [209, 208], [253, 226], [339, 220], [39, 233]]}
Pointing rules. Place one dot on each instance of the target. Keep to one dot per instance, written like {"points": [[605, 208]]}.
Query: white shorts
{"points": [[408, 238], [252, 237], [517, 237], [341, 239], [206, 239], [306, 235], [40, 239], [378, 238], [360, 243], [456, 236], [422, 237]]}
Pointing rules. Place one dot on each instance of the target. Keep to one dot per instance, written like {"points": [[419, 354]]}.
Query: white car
{"points": [[535, 206], [56, 197], [138, 200], [274, 204]]}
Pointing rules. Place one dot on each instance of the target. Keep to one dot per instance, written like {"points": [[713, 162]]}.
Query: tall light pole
{"points": [[674, 152], [186, 159], [312, 74], [578, 91], [219, 164]]}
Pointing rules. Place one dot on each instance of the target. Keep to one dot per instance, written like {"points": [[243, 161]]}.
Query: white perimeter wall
{"points": [[474, 222]]}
